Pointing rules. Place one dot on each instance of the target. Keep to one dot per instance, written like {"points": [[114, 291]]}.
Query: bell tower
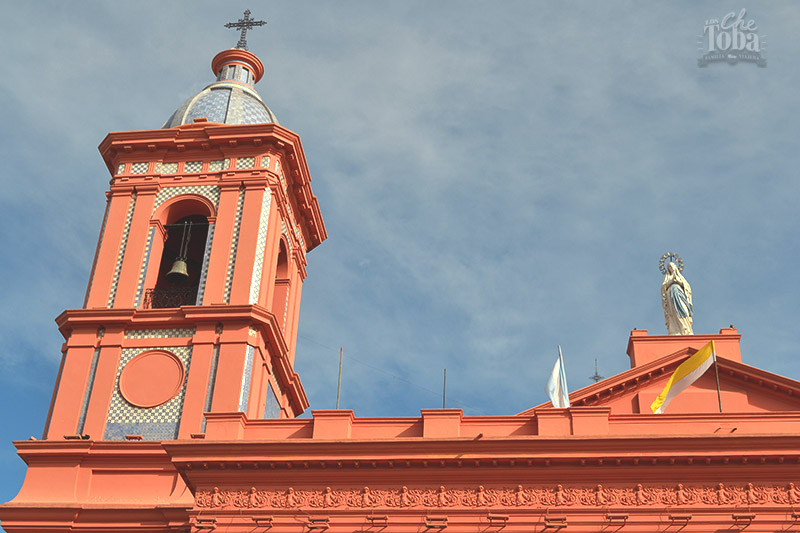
{"points": [[194, 293]]}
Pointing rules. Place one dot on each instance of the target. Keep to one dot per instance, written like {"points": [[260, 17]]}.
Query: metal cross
{"points": [[244, 24], [597, 377]]}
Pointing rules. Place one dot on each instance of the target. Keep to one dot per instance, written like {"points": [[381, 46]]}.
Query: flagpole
{"points": [[716, 375], [444, 389], [339, 386], [563, 374]]}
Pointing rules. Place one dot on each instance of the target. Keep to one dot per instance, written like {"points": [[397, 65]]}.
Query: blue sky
{"points": [[496, 179]]}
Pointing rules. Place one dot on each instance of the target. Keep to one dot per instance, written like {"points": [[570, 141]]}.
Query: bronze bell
{"points": [[179, 272]]}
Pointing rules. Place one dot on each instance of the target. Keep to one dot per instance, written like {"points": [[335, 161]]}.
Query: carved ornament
{"points": [[480, 497]]}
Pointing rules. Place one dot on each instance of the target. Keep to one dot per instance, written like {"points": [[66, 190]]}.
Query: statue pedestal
{"points": [[644, 348]]}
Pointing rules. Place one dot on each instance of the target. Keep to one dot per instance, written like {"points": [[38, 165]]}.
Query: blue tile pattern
{"points": [[192, 167], [121, 169], [285, 310], [216, 166], [286, 236], [212, 105], [272, 409], [244, 108], [87, 395], [265, 161], [212, 380], [149, 430], [121, 254], [246, 377], [139, 168], [296, 228], [226, 102], [164, 333], [237, 224], [255, 281], [169, 168], [157, 423], [279, 171], [211, 192], [143, 271], [176, 119], [201, 289], [245, 162]]}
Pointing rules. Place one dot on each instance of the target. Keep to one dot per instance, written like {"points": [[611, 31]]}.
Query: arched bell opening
{"points": [[180, 258], [281, 285], [181, 262]]}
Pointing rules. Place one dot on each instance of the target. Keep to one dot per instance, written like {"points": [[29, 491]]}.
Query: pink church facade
{"points": [[176, 401]]}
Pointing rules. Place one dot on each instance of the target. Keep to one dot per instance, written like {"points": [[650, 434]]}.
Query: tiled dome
{"points": [[232, 99]]}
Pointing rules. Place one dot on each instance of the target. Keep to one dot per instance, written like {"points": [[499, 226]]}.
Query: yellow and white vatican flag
{"points": [[687, 373], [557, 384]]}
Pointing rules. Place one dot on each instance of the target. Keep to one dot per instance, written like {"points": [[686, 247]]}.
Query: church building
{"points": [[176, 403]]}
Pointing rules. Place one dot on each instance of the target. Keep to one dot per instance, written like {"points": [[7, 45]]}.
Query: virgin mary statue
{"points": [[676, 299]]}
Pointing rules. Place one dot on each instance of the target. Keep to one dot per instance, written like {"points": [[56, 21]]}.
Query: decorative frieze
{"points": [[161, 333], [519, 496]]}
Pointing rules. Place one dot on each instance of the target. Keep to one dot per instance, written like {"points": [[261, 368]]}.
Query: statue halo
{"points": [[672, 257]]}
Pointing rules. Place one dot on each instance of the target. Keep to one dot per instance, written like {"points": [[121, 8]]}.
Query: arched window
{"points": [[281, 291], [180, 259]]}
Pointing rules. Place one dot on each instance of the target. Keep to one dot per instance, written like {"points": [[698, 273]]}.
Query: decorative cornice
{"points": [[619, 455], [231, 141], [554, 495]]}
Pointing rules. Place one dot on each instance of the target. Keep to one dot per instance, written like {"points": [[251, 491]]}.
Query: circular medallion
{"points": [[151, 378]]}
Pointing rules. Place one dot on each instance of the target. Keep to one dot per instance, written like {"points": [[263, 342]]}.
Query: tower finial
{"points": [[596, 377], [244, 24]]}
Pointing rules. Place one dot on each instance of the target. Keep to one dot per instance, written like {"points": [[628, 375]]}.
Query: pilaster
{"points": [[120, 199], [254, 190], [199, 384], [221, 246], [133, 255], [233, 355], [293, 318], [271, 250], [104, 381], [153, 260], [70, 391]]}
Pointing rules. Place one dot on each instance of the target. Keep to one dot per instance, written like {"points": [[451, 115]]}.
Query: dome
{"points": [[232, 99], [226, 103]]}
